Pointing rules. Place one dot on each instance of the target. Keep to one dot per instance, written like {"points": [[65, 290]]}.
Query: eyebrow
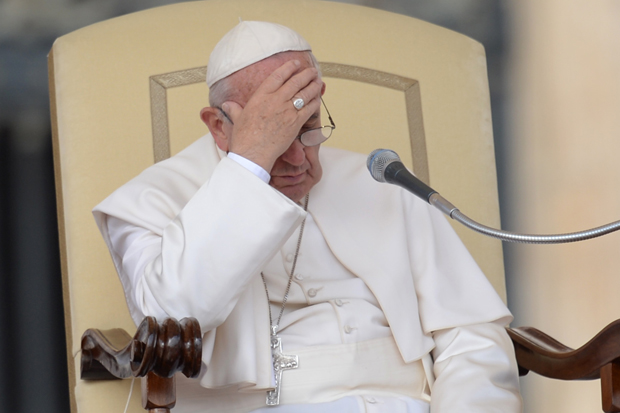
{"points": [[314, 116], [311, 119]]}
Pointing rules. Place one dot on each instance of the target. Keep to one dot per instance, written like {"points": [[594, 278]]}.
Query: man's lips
{"points": [[289, 179]]}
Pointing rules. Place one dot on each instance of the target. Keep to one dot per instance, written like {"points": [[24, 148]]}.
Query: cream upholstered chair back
{"points": [[126, 93]]}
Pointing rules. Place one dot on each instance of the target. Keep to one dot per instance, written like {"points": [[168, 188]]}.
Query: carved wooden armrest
{"points": [[156, 352], [598, 358]]}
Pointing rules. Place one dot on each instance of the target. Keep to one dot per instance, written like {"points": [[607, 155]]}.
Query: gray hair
{"points": [[221, 91]]}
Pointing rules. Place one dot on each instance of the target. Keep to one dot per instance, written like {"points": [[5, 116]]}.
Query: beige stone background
{"points": [[564, 148], [554, 72]]}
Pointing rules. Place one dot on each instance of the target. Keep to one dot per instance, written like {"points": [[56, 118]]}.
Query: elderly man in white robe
{"points": [[316, 288]]}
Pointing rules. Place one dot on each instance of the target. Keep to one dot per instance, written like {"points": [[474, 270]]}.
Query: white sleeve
{"points": [[137, 247], [199, 264], [255, 168], [476, 370]]}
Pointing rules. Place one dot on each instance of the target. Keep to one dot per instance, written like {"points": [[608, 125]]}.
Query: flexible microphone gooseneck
{"points": [[385, 166]]}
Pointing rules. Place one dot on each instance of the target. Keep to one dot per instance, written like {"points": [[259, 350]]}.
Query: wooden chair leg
{"points": [[610, 387], [158, 393]]}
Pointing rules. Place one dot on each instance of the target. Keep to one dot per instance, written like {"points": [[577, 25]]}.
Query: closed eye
{"points": [[312, 123]]}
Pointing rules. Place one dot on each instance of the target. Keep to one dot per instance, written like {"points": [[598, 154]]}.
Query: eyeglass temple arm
{"points": [[328, 114]]}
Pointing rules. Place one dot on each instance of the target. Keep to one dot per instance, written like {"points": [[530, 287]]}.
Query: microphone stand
{"points": [[385, 166], [450, 210]]}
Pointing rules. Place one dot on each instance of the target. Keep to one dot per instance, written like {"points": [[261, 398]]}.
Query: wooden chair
{"points": [[126, 93]]}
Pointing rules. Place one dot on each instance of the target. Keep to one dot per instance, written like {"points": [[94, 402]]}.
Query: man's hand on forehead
{"points": [[268, 124], [289, 81]]}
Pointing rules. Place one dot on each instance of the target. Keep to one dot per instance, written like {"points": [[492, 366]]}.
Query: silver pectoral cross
{"points": [[281, 362]]}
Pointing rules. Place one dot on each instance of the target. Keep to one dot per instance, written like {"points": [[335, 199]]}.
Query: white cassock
{"points": [[383, 277]]}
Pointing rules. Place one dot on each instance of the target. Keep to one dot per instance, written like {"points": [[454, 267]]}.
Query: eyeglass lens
{"points": [[316, 136]]}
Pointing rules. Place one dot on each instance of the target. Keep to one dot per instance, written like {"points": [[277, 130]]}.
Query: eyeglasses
{"points": [[317, 136], [311, 137]]}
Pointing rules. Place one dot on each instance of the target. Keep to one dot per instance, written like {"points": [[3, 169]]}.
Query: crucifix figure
{"points": [[281, 362]]}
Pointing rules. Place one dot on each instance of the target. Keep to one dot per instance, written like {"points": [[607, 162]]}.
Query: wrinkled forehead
{"points": [[247, 80]]}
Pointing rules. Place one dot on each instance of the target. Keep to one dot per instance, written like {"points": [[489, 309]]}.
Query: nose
{"points": [[295, 154]]}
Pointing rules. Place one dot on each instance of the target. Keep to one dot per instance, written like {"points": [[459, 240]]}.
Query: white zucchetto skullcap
{"points": [[248, 43]]}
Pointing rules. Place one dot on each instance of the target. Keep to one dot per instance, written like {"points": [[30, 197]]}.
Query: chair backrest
{"points": [[126, 93]]}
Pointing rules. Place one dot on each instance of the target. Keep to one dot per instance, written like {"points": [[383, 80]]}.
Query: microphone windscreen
{"points": [[378, 160]]}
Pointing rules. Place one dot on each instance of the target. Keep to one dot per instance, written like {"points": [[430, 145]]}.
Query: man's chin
{"points": [[295, 196], [295, 189], [294, 192]]}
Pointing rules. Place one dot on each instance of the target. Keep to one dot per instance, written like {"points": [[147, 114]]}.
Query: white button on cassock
{"points": [[339, 302], [312, 292], [299, 277], [348, 329]]}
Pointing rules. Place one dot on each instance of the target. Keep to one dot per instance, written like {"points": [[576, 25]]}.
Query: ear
{"points": [[323, 89], [216, 124]]}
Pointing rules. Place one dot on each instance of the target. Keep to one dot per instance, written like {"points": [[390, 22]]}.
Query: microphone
{"points": [[385, 166]]}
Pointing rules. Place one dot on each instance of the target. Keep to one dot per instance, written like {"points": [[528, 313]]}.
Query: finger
{"points": [[312, 106], [311, 91], [298, 82], [279, 76]]}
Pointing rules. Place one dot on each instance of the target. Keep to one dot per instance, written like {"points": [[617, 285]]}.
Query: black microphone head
{"points": [[378, 160]]}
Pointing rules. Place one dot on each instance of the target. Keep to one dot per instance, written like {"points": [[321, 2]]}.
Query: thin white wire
{"points": [[130, 391]]}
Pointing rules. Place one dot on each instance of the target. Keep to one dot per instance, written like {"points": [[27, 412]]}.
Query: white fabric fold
{"points": [[479, 361]]}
